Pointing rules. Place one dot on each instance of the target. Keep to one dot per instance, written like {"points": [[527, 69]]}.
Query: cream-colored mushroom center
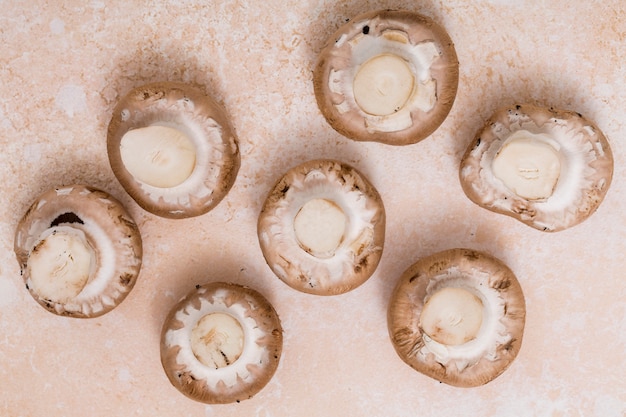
{"points": [[59, 266], [320, 226], [452, 316], [159, 156], [528, 166], [383, 85], [217, 340]]}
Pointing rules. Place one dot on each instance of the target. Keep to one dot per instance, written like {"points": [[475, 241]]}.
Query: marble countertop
{"points": [[63, 67]]}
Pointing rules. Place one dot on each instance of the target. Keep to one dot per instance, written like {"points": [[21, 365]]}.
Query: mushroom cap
{"points": [[499, 339], [358, 254], [241, 379], [586, 170], [204, 121], [424, 46], [109, 230]]}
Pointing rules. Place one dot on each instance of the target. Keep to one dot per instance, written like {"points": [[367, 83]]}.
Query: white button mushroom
{"points": [[387, 76], [221, 343], [322, 228], [458, 316], [173, 149], [79, 250], [549, 169]]}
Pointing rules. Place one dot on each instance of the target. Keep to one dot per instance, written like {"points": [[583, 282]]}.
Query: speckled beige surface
{"points": [[62, 69]]}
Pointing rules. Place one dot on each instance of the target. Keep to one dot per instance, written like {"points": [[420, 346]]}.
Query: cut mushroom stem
{"points": [[217, 340], [60, 264], [320, 226], [529, 165], [383, 85], [452, 316], [160, 156]]}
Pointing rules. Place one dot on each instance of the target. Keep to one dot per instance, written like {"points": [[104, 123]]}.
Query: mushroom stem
{"points": [[159, 156], [217, 340], [383, 85], [528, 165], [320, 226], [60, 264], [452, 316]]}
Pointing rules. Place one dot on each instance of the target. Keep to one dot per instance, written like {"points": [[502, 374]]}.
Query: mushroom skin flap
{"points": [[79, 250], [458, 316], [221, 343]]}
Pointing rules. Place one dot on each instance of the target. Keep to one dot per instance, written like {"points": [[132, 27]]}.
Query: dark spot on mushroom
{"points": [[437, 266], [226, 360], [366, 30], [518, 107], [66, 218], [197, 286], [477, 143], [27, 287], [505, 308], [414, 277], [362, 264], [126, 279], [502, 284], [509, 345], [471, 255], [285, 189]]}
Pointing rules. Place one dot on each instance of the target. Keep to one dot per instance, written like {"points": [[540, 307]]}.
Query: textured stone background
{"points": [[62, 69]]}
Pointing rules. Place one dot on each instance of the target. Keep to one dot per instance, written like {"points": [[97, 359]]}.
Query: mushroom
{"points": [[79, 251], [458, 316], [221, 343], [322, 228], [547, 168], [173, 149], [387, 76]]}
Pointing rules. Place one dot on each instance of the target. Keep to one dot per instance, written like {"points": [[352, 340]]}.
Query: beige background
{"points": [[62, 69]]}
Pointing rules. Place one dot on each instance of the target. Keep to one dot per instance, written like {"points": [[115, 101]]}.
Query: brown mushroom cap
{"points": [[499, 339], [420, 43], [250, 372], [190, 111], [356, 256], [108, 230], [585, 174]]}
